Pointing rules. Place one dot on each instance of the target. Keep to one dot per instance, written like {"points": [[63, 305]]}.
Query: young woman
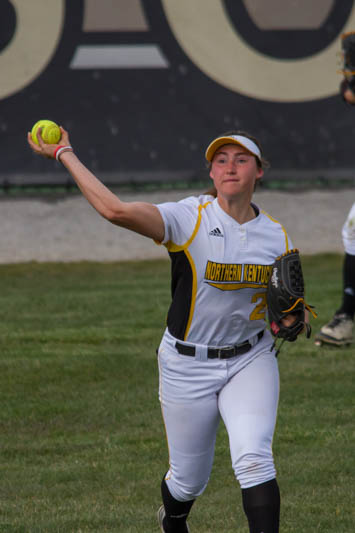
{"points": [[215, 358]]}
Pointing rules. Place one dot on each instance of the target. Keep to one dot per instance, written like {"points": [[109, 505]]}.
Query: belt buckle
{"points": [[224, 349]]}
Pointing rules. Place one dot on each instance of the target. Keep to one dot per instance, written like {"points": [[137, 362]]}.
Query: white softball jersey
{"points": [[220, 270]]}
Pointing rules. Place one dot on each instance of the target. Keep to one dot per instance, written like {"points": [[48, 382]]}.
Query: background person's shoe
{"points": [[338, 331]]}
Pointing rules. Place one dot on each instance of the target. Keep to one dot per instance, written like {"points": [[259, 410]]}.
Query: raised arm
{"points": [[141, 217]]}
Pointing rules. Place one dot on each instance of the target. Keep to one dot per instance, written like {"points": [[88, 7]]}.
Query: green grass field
{"points": [[82, 440]]}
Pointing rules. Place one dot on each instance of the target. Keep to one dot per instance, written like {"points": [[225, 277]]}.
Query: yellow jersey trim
{"points": [[277, 222], [172, 247], [193, 293]]}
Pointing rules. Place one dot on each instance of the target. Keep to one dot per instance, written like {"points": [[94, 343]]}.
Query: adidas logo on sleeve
{"points": [[216, 232]]}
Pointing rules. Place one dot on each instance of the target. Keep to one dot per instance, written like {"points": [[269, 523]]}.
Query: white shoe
{"points": [[339, 330], [161, 516]]}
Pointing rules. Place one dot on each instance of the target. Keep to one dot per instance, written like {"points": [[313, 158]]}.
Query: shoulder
{"points": [[276, 231], [197, 201], [180, 218], [191, 203], [270, 220]]}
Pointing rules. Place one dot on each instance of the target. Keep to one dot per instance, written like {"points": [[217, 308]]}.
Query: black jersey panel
{"points": [[181, 292]]}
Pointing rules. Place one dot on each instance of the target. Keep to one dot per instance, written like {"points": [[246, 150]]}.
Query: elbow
{"points": [[116, 215]]}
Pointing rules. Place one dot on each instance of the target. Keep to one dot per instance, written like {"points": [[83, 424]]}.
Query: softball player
{"points": [[215, 359], [339, 330]]}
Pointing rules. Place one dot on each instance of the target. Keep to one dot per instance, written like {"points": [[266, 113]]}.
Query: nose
{"points": [[231, 167]]}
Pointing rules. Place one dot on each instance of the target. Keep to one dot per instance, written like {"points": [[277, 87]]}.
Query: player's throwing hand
{"points": [[51, 151]]}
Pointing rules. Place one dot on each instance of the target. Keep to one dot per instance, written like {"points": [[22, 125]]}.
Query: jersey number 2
{"points": [[260, 309]]}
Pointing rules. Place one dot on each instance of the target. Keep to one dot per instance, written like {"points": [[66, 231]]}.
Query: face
{"points": [[234, 170]]}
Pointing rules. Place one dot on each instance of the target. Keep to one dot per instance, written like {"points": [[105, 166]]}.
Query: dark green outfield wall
{"points": [[143, 85]]}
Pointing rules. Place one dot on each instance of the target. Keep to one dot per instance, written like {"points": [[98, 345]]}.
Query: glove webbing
{"points": [[308, 307]]}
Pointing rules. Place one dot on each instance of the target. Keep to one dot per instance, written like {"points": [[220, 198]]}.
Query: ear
{"points": [[260, 173]]}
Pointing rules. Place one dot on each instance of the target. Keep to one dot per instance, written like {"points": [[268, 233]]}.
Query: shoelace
{"points": [[336, 320]]}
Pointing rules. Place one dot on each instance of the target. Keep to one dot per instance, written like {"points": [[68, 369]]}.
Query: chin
{"points": [[233, 187]]}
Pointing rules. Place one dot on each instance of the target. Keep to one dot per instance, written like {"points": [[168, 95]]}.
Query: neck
{"points": [[238, 209]]}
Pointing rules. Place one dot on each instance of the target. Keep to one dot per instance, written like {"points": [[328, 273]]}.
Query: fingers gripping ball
{"points": [[50, 132]]}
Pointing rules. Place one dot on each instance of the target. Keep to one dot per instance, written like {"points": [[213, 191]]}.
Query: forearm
{"points": [[97, 194], [141, 217]]}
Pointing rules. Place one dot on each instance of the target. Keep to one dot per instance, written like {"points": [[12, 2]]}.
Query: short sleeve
{"points": [[180, 218]]}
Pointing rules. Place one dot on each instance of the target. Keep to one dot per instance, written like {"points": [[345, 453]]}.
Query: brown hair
{"points": [[262, 163]]}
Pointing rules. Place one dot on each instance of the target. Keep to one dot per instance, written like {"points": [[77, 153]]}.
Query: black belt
{"points": [[220, 353]]}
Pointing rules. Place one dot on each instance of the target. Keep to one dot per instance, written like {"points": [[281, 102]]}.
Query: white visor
{"points": [[245, 142]]}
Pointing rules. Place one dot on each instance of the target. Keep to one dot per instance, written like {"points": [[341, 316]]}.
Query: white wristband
{"points": [[62, 149]]}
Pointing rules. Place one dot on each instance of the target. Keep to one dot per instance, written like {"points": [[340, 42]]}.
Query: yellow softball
{"points": [[50, 132]]}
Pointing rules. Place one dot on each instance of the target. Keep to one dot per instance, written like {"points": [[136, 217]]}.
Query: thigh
{"points": [[191, 434], [248, 405], [190, 412]]}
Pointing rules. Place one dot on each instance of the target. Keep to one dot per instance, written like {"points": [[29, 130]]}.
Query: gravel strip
{"points": [[69, 229]]}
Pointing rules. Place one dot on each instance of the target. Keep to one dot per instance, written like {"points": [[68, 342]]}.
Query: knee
{"points": [[254, 468], [184, 491]]}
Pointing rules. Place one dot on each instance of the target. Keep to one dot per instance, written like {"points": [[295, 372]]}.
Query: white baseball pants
{"points": [[348, 232], [195, 392]]}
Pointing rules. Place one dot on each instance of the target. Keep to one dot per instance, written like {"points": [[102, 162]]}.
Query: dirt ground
{"points": [[69, 229]]}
